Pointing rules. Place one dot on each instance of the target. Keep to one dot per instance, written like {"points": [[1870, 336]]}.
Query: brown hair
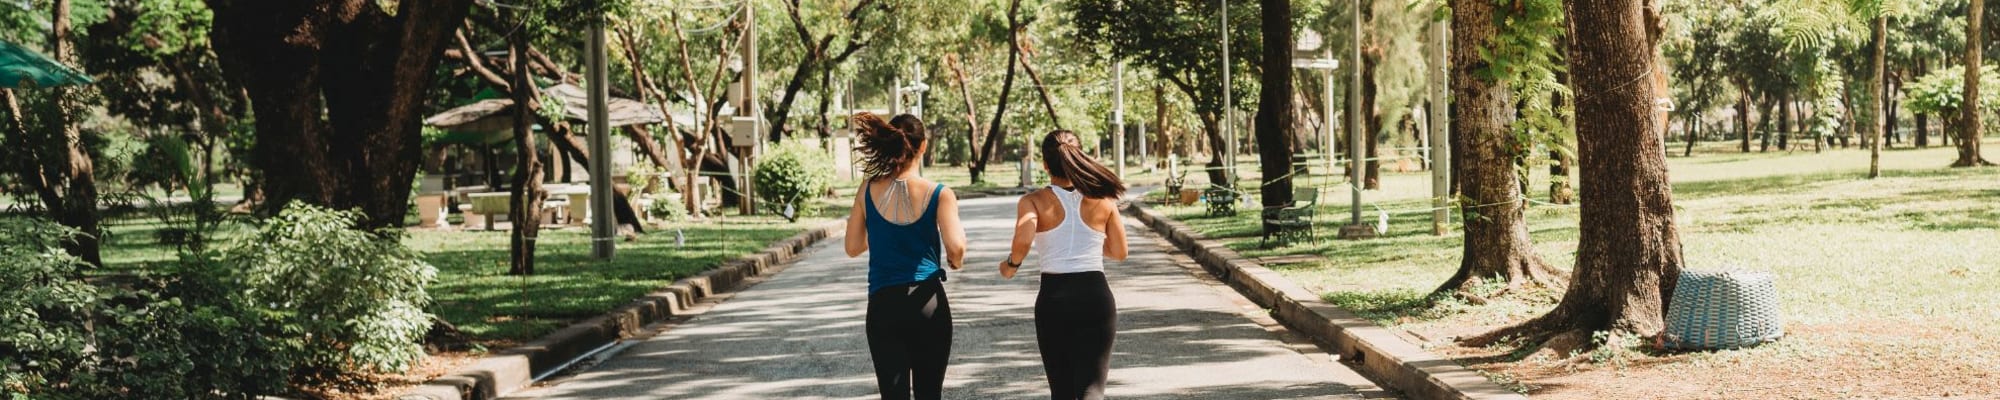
{"points": [[1065, 158], [887, 146]]}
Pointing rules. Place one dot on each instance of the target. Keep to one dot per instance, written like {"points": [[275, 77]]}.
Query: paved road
{"points": [[799, 335]]}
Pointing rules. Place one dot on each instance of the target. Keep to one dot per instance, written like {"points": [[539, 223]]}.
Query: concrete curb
{"points": [[515, 368], [1376, 351]]}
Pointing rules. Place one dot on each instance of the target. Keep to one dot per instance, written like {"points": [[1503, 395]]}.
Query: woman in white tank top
{"points": [[1073, 225]]}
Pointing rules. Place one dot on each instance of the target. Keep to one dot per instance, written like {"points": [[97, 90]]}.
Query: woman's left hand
{"points": [[1007, 270]]}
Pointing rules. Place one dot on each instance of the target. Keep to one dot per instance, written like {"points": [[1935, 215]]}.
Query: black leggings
{"points": [[909, 336], [1075, 321]]}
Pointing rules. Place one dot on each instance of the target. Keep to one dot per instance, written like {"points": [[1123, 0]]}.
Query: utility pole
{"points": [[1228, 104], [1358, 129], [1118, 115], [748, 109], [1440, 121], [603, 221]]}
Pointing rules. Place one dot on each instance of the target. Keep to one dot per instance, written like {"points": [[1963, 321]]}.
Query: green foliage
{"points": [[45, 311], [356, 298], [794, 175], [63, 338], [1943, 91], [667, 207]]}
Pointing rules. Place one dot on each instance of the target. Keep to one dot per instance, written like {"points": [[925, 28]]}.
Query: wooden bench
{"points": [[1221, 201], [1287, 224]]}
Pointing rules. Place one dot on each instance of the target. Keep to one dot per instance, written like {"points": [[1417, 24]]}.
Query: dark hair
{"points": [[887, 146], [1065, 158]]}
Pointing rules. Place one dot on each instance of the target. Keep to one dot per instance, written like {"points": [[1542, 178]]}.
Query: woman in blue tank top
{"points": [[909, 227]]}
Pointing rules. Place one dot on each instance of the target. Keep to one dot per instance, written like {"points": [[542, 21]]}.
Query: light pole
{"points": [[1118, 115], [603, 220], [1228, 105], [1440, 120], [1357, 128]]}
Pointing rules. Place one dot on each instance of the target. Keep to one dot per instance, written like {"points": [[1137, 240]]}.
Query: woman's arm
{"points": [[1024, 236], [953, 232], [857, 224], [1114, 233]]}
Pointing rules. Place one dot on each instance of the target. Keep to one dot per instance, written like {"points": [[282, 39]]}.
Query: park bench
{"points": [[1221, 200], [1286, 224]]}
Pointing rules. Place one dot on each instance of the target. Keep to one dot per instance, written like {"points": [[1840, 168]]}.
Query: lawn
{"points": [[1886, 285], [474, 292]]}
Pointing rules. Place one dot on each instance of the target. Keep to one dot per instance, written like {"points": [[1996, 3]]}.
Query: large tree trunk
{"points": [[1275, 114], [339, 88], [989, 152], [1628, 254], [1218, 147], [1875, 103], [1496, 234], [1371, 176], [1968, 137], [527, 196], [78, 206]]}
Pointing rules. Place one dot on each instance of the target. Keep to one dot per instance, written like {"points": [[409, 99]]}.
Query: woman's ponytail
{"points": [[888, 146], [1065, 158]]}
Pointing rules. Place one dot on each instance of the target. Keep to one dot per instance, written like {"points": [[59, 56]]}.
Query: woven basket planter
{"points": [[1723, 310]]}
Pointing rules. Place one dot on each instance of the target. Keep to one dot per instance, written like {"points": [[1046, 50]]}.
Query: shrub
{"points": [[43, 311], [793, 174], [667, 206], [354, 298]]}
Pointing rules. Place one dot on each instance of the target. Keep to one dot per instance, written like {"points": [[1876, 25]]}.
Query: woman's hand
{"points": [[1008, 269]]}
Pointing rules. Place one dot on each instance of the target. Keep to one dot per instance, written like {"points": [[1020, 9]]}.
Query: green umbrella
{"points": [[24, 68]]}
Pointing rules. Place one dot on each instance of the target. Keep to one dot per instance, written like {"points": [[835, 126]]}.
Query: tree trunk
{"points": [[989, 152], [1371, 174], [1785, 116], [1693, 121], [78, 206], [1560, 171], [1875, 104], [1275, 114], [338, 88], [1496, 234], [1628, 256], [1743, 113], [1028, 66], [965, 91], [527, 195], [1211, 127], [1764, 124], [1968, 137], [1923, 120]]}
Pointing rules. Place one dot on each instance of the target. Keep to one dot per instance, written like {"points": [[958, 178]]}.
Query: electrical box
{"points": [[743, 131]]}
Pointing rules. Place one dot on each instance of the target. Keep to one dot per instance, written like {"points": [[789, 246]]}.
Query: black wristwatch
{"points": [[1009, 262]]}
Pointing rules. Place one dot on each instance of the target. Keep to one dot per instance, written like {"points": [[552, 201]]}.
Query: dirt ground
{"points": [[1873, 360]]}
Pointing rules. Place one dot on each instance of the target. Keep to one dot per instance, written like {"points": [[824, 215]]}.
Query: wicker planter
{"points": [[1723, 310]]}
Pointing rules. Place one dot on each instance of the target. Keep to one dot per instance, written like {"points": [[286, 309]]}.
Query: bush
{"points": [[355, 298], [202, 342], [43, 312], [667, 206], [795, 175]]}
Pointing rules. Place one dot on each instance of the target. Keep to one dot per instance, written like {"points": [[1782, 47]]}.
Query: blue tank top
{"points": [[900, 254]]}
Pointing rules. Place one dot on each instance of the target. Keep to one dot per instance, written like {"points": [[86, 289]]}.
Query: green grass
{"points": [[474, 292], [1915, 245]]}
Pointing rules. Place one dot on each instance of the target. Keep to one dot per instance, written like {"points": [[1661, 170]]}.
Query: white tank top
{"points": [[1072, 246]]}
